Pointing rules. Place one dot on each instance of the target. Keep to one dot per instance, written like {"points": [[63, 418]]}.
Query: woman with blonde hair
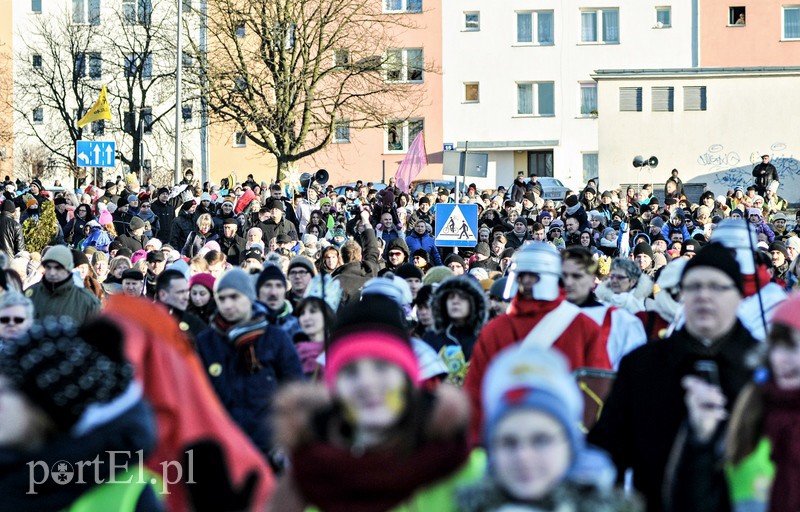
{"points": [[200, 236]]}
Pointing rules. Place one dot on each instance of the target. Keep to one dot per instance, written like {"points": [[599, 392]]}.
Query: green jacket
{"points": [[65, 300], [440, 496], [122, 496]]}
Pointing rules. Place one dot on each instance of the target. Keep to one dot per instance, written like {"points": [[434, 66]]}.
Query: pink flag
{"points": [[415, 160]]}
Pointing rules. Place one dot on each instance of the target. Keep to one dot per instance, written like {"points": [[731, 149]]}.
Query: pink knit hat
{"points": [[203, 279], [105, 218], [787, 312]]}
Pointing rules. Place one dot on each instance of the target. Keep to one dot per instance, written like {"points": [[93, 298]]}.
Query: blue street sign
{"points": [[456, 225], [95, 153], [449, 146]]}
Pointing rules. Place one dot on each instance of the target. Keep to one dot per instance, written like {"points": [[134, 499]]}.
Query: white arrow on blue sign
{"points": [[95, 153]]}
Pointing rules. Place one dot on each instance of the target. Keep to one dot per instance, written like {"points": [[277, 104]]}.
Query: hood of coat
{"points": [[471, 288], [398, 244]]}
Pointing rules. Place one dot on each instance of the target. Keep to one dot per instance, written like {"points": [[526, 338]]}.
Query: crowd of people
{"points": [[305, 350]]}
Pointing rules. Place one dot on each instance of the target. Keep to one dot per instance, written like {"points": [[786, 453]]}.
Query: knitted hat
{"points": [[9, 206], [436, 275], [105, 218], [236, 279], [786, 313], [455, 258], [643, 248], [371, 329], [483, 249], [408, 271], [32, 203], [61, 255], [79, 258], [254, 253], [270, 273], [497, 288], [187, 205], [529, 378], [64, 370], [136, 223], [657, 222], [203, 279], [302, 261], [122, 201], [716, 255], [155, 243], [133, 198], [138, 255], [690, 246], [780, 247], [422, 253]]}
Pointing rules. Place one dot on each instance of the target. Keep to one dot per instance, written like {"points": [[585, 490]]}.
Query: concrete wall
{"points": [[493, 58], [720, 146], [757, 43]]}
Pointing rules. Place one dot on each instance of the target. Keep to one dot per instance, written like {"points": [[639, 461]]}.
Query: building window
{"points": [[663, 99], [472, 92], [590, 168], [404, 65], [535, 27], [85, 11], [187, 5], [95, 65], [341, 131], [240, 30], [589, 99], [36, 6], [186, 113], [791, 22], [736, 16], [694, 98], [239, 139], [132, 63], [341, 58], [80, 65], [536, 98], [147, 120], [630, 99], [129, 124], [392, 6], [137, 11], [472, 21], [400, 134], [600, 25], [99, 128], [38, 115], [187, 60], [147, 166], [36, 61], [663, 17]]}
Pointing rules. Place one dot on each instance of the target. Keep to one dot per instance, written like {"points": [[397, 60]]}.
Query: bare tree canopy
{"points": [[285, 71]]}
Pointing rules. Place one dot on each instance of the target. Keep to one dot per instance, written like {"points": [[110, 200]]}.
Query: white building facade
{"points": [[114, 37], [712, 124], [518, 76]]}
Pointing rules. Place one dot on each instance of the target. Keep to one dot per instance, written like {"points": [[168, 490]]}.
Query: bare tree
{"points": [[287, 71]]}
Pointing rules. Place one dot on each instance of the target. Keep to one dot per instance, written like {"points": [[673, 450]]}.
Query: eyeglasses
{"points": [[145, 207], [395, 253], [5, 320], [294, 273], [694, 288], [616, 277]]}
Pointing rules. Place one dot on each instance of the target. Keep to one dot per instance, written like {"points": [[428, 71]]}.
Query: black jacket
{"points": [[181, 227], [272, 229], [166, 215], [11, 239], [232, 248], [645, 409]]}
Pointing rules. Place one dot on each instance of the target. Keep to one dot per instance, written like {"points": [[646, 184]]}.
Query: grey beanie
{"points": [[237, 279]]}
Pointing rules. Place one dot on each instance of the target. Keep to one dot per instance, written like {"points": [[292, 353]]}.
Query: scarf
{"points": [[782, 427], [146, 215], [243, 337], [378, 480]]}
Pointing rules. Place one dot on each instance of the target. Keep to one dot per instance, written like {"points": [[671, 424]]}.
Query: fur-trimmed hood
{"points": [[632, 301], [468, 286]]}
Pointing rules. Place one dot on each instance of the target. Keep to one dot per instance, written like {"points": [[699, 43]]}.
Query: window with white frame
{"points": [[791, 22], [472, 21], [36, 6], [341, 58], [535, 27], [86, 11], [472, 92], [404, 65], [187, 112], [341, 131], [590, 167], [600, 25], [132, 63], [99, 127], [137, 11], [394, 6], [663, 99], [95, 65], [400, 134], [694, 98], [630, 99], [663, 17], [36, 61], [239, 139], [589, 99], [38, 115], [536, 98]]}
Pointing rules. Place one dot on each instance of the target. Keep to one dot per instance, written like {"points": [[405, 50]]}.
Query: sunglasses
{"points": [[5, 320]]}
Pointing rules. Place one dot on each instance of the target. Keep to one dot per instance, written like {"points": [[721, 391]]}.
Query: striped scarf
{"points": [[243, 337]]}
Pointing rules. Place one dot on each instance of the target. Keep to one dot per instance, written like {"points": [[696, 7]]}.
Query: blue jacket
{"points": [[668, 229], [248, 397], [426, 241]]}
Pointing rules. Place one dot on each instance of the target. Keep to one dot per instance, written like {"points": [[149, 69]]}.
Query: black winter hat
{"points": [[122, 201], [422, 253], [9, 206], [64, 370], [269, 273], [571, 200], [455, 258], [408, 271], [643, 248], [781, 247], [717, 256]]}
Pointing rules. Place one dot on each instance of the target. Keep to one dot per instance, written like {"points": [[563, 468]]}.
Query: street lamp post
{"points": [[178, 103]]}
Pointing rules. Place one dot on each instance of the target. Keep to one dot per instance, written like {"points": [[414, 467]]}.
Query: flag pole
{"points": [[178, 171]]}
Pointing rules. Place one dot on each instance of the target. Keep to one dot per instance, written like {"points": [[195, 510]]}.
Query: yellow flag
{"points": [[100, 110]]}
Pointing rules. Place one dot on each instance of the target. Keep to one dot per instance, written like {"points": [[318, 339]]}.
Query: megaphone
{"points": [[640, 161], [305, 179], [652, 162], [321, 177]]}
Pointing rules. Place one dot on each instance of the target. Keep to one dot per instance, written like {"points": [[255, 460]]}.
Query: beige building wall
{"points": [[6, 90], [365, 156], [748, 113], [759, 41]]}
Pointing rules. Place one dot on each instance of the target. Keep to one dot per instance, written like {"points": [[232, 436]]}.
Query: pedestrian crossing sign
{"points": [[456, 225]]}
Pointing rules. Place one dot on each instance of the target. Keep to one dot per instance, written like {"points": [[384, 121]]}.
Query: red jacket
{"points": [[581, 343]]}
